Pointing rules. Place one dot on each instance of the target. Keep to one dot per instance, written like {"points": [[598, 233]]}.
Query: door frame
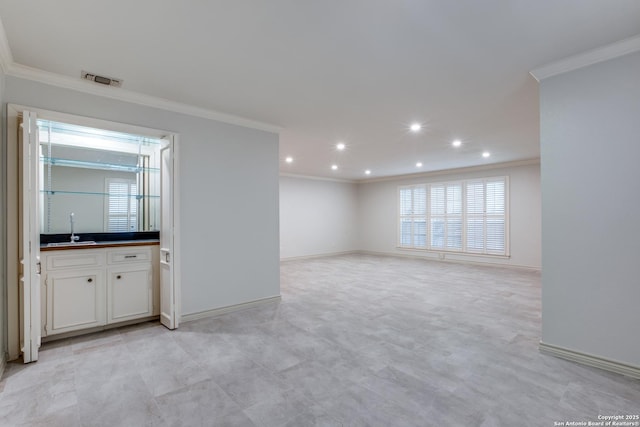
{"points": [[29, 243], [13, 235]]}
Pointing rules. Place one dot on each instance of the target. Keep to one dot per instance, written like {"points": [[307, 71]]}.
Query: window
{"points": [[122, 205], [466, 216], [446, 216], [413, 217], [486, 216]]}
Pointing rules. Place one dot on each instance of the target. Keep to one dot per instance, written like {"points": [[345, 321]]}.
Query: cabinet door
{"points": [[75, 300], [129, 293]]}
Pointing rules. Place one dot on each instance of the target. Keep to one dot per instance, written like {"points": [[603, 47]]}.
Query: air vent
{"points": [[107, 81]]}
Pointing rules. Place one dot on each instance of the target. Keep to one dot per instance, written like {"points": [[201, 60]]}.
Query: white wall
{"points": [[590, 146], [228, 194], [316, 217], [378, 214]]}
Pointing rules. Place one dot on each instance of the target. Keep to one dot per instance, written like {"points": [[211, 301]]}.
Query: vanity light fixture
{"points": [[334, 167], [415, 127], [419, 164], [486, 154], [289, 159], [340, 146], [367, 172], [456, 143]]}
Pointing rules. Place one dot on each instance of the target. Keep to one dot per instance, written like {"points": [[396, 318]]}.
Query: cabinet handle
{"points": [[89, 280], [118, 277], [130, 256]]}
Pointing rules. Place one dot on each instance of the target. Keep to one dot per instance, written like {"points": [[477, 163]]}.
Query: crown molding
{"points": [[479, 168], [10, 68], [66, 82], [614, 50], [317, 178], [467, 169]]}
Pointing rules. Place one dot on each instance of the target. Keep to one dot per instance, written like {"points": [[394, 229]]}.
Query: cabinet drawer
{"points": [[75, 259], [121, 256]]}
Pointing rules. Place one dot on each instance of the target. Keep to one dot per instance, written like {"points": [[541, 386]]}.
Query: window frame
{"points": [[464, 250]]}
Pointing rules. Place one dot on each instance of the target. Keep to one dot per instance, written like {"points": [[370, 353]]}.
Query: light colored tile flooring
{"points": [[356, 341]]}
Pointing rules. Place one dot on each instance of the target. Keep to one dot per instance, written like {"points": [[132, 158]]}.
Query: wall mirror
{"points": [[108, 180]]}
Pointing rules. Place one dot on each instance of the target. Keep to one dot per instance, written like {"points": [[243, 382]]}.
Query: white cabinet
{"points": [[74, 289], [75, 300], [129, 285], [94, 287]]}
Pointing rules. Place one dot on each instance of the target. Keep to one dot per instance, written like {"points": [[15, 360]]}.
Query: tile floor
{"points": [[356, 341]]}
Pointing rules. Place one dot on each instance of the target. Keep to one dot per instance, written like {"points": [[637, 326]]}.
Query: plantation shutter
{"points": [[406, 209], [438, 210], [496, 216], [413, 210], [475, 217], [454, 217], [486, 216], [467, 216], [121, 205], [446, 216]]}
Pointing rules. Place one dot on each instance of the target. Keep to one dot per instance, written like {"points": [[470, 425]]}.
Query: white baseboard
{"points": [[591, 360], [434, 257], [323, 255], [228, 309], [64, 335]]}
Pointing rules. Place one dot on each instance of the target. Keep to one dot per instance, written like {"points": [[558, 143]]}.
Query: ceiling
{"points": [[356, 71]]}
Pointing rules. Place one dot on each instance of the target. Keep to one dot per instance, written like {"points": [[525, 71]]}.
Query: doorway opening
{"points": [[71, 179]]}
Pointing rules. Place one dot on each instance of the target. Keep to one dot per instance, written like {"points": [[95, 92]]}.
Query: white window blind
{"points": [[446, 216], [495, 216], [467, 216], [413, 216], [475, 222], [121, 205]]}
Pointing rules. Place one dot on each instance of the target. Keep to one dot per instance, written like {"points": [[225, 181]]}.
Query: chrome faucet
{"points": [[74, 238]]}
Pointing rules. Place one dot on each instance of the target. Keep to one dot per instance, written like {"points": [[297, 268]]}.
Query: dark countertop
{"points": [[114, 244]]}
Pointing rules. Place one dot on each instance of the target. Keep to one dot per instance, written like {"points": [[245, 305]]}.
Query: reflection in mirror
{"points": [[108, 180]]}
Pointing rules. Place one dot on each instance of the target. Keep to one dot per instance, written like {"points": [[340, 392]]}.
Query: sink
{"points": [[85, 243]]}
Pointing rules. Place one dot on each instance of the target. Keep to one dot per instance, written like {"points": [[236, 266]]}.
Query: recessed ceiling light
{"points": [[415, 127], [456, 143], [334, 167], [340, 146], [486, 154], [367, 172], [419, 164], [289, 159]]}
